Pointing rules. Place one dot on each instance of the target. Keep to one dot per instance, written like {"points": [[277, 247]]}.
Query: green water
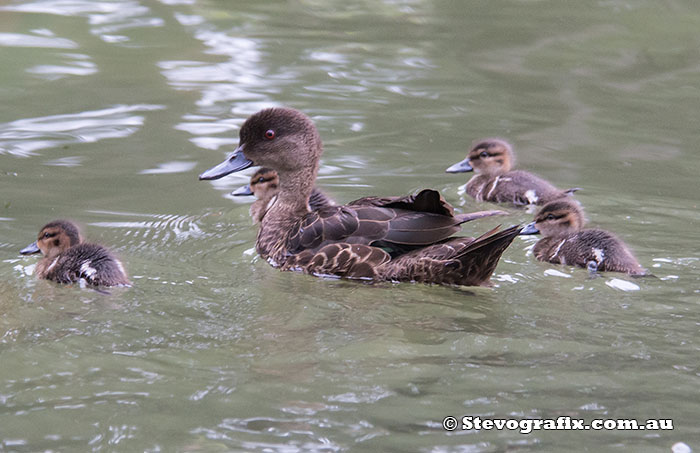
{"points": [[110, 109]]}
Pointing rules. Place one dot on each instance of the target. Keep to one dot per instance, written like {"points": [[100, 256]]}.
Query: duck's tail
{"points": [[455, 261]]}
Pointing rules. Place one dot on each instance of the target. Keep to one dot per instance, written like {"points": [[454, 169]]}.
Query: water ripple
{"points": [[157, 228], [105, 17], [25, 136]]}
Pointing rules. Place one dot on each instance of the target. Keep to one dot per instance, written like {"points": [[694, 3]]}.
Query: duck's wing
{"points": [[370, 225]]}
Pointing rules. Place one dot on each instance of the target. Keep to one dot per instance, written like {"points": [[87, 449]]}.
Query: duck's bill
{"points": [[30, 249], [236, 162], [530, 228], [460, 167], [242, 191]]}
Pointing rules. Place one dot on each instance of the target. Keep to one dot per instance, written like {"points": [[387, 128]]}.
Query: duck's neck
{"points": [[294, 191]]}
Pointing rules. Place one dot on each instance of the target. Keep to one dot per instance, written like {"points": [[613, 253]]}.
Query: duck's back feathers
{"points": [[90, 262], [517, 187], [319, 200], [593, 248]]}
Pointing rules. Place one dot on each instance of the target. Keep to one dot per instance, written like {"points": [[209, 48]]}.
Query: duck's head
{"points": [[491, 157], [264, 184], [283, 139], [55, 237], [560, 217]]}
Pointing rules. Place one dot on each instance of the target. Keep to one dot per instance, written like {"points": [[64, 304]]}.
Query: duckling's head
{"points": [[491, 157], [264, 184], [55, 237], [280, 138], [559, 217]]}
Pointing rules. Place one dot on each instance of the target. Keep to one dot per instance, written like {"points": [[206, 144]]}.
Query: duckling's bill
{"points": [[30, 249], [530, 228], [236, 162], [460, 167], [243, 191]]}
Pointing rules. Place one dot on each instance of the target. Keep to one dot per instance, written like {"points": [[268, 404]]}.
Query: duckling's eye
{"points": [[550, 217], [484, 154], [48, 235], [260, 179], [269, 134]]}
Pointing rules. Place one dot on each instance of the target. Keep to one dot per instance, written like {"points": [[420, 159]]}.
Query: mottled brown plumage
{"points": [[264, 185], [394, 238], [566, 242], [67, 259], [492, 160]]}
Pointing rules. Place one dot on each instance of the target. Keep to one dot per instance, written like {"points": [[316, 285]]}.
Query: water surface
{"points": [[112, 108]]}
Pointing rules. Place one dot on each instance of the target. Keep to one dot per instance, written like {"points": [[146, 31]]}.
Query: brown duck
{"points": [[67, 259], [565, 241], [397, 239], [492, 159], [264, 185]]}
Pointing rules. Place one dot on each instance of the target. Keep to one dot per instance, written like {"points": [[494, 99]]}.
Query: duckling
{"points": [[380, 239], [492, 159], [565, 241], [264, 184], [68, 259]]}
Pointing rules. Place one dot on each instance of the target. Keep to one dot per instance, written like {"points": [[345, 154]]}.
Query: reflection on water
{"points": [[23, 137], [21, 40], [213, 350]]}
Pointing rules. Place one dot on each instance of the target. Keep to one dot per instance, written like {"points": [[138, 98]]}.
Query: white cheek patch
{"points": [[531, 196], [87, 270]]}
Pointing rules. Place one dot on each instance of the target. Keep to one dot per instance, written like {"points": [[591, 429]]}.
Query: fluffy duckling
{"points": [[375, 238], [68, 259], [565, 241], [492, 160], [264, 184]]}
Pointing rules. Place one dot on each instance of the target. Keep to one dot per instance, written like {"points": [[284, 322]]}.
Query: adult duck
{"points": [[67, 259], [492, 159], [565, 241], [394, 238], [264, 185]]}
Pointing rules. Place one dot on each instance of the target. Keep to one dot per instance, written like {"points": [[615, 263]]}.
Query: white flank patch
{"points": [[86, 270], [599, 255], [53, 263], [622, 285], [493, 187], [531, 196], [556, 252]]}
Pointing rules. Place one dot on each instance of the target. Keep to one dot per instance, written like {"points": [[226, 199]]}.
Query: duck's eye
{"points": [[484, 154], [550, 217], [260, 179], [269, 134]]}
